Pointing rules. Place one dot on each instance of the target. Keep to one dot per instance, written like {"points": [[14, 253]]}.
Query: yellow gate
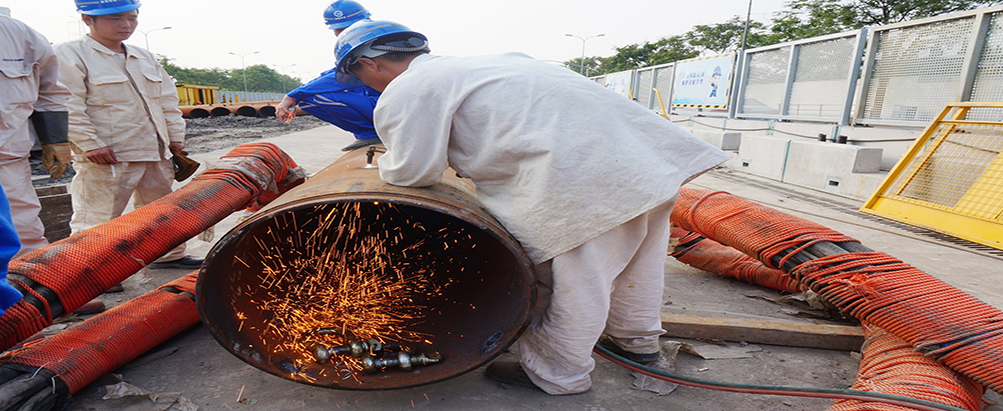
{"points": [[951, 179]]}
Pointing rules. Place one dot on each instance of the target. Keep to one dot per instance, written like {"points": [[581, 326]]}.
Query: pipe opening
{"points": [[340, 270], [247, 111], [198, 113], [266, 111], [219, 112]]}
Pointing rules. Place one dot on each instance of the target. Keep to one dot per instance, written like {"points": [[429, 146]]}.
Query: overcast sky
{"points": [[287, 32]]}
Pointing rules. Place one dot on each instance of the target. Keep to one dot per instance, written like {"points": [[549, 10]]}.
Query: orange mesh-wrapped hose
{"points": [[709, 255], [937, 319], [64, 275], [83, 353], [890, 365]]}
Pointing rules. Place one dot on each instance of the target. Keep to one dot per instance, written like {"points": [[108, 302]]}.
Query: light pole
{"points": [[147, 37], [283, 68], [582, 69], [243, 68]]}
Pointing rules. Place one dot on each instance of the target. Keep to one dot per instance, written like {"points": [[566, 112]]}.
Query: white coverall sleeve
{"points": [[169, 104], [52, 96], [414, 120], [73, 75]]}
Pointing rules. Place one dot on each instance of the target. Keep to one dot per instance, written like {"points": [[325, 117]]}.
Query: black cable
{"points": [[789, 133], [836, 393]]}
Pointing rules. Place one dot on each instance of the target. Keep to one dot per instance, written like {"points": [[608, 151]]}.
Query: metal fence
{"points": [[230, 96], [896, 75]]}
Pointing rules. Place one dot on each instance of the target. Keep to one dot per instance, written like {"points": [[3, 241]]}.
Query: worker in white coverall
{"points": [[28, 89], [584, 178], [124, 121]]}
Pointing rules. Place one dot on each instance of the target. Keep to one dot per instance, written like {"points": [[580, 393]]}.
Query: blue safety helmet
{"points": [[372, 38], [104, 7], [342, 13]]}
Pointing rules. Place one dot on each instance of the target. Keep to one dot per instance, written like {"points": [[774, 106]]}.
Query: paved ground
{"points": [[202, 371]]}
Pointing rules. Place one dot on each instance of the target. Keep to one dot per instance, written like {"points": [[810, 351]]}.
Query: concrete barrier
{"points": [[837, 168], [723, 140], [764, 156]]}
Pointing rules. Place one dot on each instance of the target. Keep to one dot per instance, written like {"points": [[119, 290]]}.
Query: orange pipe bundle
{"points": [[62, 276], [701, 252], [937, 319], [890, 365], [66, 362]]}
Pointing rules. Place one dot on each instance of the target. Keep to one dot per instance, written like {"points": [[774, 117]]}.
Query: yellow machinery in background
{"points": [[191, 95], [951, 179]]}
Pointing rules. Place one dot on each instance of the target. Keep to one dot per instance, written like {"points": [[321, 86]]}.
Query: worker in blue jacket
{"points": [[348, 107]]}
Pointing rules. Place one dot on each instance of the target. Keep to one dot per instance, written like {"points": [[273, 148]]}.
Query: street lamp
{"points": [[243, 68], [283, 68], [582, 69], [147, 38]]}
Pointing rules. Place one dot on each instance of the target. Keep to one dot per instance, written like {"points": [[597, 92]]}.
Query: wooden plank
{"points": [[761, 331], [55, 215], [51, 190]]}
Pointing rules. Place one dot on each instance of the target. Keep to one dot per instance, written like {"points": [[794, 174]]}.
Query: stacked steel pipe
{"points": [[255, 109], [937, 319]]}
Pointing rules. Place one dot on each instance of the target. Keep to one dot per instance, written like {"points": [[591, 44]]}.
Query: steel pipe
{"points": [[347, 258]]}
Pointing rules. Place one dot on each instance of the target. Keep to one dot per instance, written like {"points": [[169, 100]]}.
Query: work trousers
{"points": [[15, 176], [612, 284], [100, 192]]}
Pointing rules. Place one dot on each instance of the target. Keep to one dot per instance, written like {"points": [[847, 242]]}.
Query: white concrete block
{"points": [[835, 168], [763, 156], [723, 140]]}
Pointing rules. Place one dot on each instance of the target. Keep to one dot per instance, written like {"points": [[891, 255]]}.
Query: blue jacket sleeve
{"points": [[9, 245], [324, 84]]}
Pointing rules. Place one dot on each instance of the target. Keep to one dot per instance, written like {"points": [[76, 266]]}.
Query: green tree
{"points": [[260, 78], [727, 36], [810, 18]]}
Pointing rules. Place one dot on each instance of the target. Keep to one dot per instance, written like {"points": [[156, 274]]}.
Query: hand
{"points": [[282, 110], [55, 158], [103, 155], [176, 146]]}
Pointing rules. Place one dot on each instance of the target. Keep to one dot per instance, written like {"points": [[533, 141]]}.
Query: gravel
{"points": [[203, 135]]}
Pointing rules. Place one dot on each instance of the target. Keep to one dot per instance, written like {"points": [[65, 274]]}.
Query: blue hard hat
{"points": [[103, 7], [372, 38], [342, 13]]}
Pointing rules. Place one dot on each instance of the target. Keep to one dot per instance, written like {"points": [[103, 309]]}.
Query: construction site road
{"points": [[196, 366]]}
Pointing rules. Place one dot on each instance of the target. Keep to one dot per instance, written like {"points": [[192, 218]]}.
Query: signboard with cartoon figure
{"points": [[620, 82], [703, 82]]}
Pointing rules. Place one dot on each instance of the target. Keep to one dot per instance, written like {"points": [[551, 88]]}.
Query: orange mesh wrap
{"points": [[83, 353], [937, 319], [891, 366], [753, 229], [81, 267], [712, 256]]}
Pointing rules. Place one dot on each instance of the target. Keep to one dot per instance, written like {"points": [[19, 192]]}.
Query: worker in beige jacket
{"points": [[29, 90], [124, 121]]}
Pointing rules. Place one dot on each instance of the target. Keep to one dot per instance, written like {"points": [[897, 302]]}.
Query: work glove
{"points": [[52, 128], [184, 166], [55, 158]]}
